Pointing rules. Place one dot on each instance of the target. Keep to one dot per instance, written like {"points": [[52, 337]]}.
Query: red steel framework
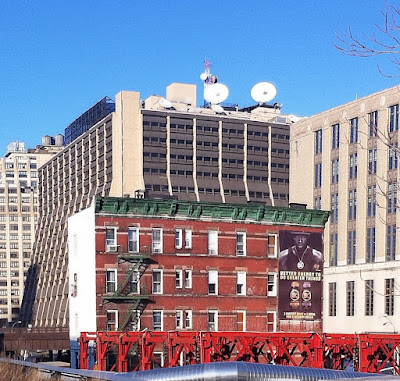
{"points": [[131, 351]]}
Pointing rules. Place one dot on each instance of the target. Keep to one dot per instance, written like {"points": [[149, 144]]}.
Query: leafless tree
{"points": [[384, 41]]}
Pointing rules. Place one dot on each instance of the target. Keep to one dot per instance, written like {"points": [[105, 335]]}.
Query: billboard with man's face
{"points": [[300, 275]]}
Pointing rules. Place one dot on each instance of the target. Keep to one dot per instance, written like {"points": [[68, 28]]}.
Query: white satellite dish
{"points": [[215, 93], [165, 103], [263, 92], [218, 109], [203, 76]]}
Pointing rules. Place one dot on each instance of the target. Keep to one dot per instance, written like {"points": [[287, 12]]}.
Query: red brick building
{"points": [[168, 265]]}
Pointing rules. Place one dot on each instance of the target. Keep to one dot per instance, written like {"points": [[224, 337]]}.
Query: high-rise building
{"points": [[156, 148], [346, 160], [18, 215]]}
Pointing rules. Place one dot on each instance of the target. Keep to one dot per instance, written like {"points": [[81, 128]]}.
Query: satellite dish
{"points": [[165, 103], [218, 109], [203, 76], [216, 93], [263, 92]]}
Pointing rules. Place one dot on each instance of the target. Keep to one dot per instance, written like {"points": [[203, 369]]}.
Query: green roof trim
{"points": [[211, 210]]}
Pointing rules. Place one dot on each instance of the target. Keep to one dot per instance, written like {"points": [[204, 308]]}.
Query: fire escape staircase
{"points": [[138, 263]]}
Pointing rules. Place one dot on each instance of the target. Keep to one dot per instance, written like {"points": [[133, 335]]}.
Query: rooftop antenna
{"points": [[263, 92]]}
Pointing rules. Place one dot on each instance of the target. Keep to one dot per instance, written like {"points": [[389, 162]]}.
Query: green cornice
{"points": [[211, 211]]}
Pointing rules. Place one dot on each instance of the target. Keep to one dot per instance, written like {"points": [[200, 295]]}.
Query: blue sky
{"points": [[57, 58]]}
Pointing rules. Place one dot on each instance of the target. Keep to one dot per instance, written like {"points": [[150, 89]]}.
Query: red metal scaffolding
{"points": [[131, 351]]}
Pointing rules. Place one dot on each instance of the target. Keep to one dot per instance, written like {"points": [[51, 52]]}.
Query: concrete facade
{"points": [[346, 160]]}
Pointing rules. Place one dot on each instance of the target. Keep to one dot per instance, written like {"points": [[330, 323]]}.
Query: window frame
{"points": [[115, 323], [130, 241], [161, 323], [157, 242], [274, 291], [212, 279], [212, 242], [110, 282], [273, 246], [215, 323], [241, 281], [155, 282], [111, 243], [241, 246]]}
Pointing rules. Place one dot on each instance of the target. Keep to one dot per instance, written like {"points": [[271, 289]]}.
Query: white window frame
{"points": [[160, 283], [178, 278], [188, 238], [109, 282], [241, 281], [178, 319], [188, 278], [274, 323], [273, 247], [215, 323], [111, 243], [178, 238], [274, 277], [213, 279], [137, 326], [188, 319], [136, 275], [244, 320], [157, 245], [241, 246], [212, 242], [134, 231], [115, 312], [161, 312]]}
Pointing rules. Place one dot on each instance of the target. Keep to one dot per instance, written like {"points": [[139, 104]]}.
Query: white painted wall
{"points": [[82, 262]]}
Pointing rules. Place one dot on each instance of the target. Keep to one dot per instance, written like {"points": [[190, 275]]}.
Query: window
{"points": [[353, 130], [188, 319], [133, 240], [134, 283], [272, 245], [350, 298], [241, 321], [271, 321], [392, 197], [188, 278], [369, 297], [393, 157], [373, 123], [212, 242], [183, 238], [158, 323], [212, 320], [353, 166], [240, 243], [157, 240], [371, 197], [112, 320], [111, 280], [335, 171], [111, 239], [271, 284], [370, 245], [372, 163], [335, 136], [212, 282], [389, 296], [391, 243], [333, 258], [178, 278], [318, 203], [393, 118], [318, 142], [352, 204], [318, 175], [178, 319], [157, 281], [334, 208], [351, 247], [332, 299], [241, 283]]}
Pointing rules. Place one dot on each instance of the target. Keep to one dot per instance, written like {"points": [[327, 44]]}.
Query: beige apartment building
{"points": [[154, 148], [346, 160], [18, 215]]}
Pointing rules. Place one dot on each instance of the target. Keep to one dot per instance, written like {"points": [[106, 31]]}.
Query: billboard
{"points": [[300, 275]]}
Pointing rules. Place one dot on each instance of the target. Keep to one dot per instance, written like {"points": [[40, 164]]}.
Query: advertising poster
{"points": [[300, 275]]}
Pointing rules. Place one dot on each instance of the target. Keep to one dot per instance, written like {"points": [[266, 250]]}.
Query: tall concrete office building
{"points": [[154, 148], [18, 215], [346, 160]]}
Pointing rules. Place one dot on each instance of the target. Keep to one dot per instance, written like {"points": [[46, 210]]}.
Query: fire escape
{"points": [[129, 291]]}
